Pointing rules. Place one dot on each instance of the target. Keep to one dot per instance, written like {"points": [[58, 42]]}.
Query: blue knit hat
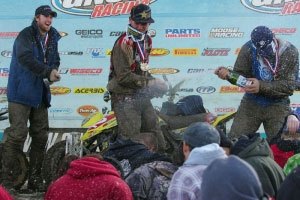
{"points": [[230, 178], [190, 105], [200, 134]]}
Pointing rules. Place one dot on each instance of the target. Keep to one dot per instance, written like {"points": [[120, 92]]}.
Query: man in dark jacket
{"points": [[257, 153], [271, 65], [34, 65]]}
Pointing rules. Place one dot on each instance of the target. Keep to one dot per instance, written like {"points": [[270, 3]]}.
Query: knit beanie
{"points": [[289, 189], [230, 178]]}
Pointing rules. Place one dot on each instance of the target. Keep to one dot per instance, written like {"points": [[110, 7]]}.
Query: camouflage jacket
{"points": [[126, 77], [151, 181], [284, 83]]}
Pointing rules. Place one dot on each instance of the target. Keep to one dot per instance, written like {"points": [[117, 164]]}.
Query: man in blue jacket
{"points": [[34, 65]]}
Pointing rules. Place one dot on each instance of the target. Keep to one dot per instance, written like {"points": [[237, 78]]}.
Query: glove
{"points": [[157, 87], [54, 76]]}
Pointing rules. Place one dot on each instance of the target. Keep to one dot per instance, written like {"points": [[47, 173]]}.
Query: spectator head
{"points": [[289, 189], [141, 14], [199, 134], [230, 178], [45, 10]]}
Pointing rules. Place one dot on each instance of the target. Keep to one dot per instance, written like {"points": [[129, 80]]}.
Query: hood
{"points": [[90, 167], [256, 146], [205, 155]]}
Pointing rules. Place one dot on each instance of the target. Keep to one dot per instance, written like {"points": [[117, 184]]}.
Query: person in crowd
{"points": [[4, 195], [271, 65], [287, 142], [289, 189], [256, 151], [200, 147], [291, 164], [231, 178], [34, 64], [132, 153], [89, 178], [150, 180], [130, 84]]}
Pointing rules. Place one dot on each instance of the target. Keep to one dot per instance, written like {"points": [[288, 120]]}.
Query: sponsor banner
{"points": [[163, 71], [71, 53], [96, 9], [59, 90], [3, 90], [60, 110], [81, 71], [186, 90], [231, 89], [159, 52], [284, 31], [7, 54], [225, 110], [281, 7], [182, 33], [226, 33], [8, 35], [195, 70], [116, 33], [98, 90], [89, 33], [185, 52], [3, 99], [4, 72], [96, 52], [86, 110], [206, 89], [215, 52]]}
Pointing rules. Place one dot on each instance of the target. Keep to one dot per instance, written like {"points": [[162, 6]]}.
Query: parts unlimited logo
{"points": [[97, 8], [281, 7]]}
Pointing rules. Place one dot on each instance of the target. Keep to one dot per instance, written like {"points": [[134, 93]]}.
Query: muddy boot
{"points": [[35, 180]]}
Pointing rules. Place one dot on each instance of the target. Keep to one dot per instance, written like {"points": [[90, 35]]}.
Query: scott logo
{"points": [[215, 52], [206, 89], [282, 7], [97, 8]]}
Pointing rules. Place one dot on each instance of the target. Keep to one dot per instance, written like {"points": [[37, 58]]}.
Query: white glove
{"points": [[54, 76]]}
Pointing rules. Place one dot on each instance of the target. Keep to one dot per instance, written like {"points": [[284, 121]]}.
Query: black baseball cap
{"points": [[141, 13], [45, 10]]}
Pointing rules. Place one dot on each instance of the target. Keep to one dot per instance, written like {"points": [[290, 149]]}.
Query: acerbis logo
{"points": [[182, 33], [90, 33], [99, 8], [98, 90], [281, 7], [7, 54], [206, 89]]}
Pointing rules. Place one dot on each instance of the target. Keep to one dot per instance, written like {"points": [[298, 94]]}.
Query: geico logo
{"points": [[159, 52], [56, 90], [89, 90], [89, 32], [116, 33]]}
